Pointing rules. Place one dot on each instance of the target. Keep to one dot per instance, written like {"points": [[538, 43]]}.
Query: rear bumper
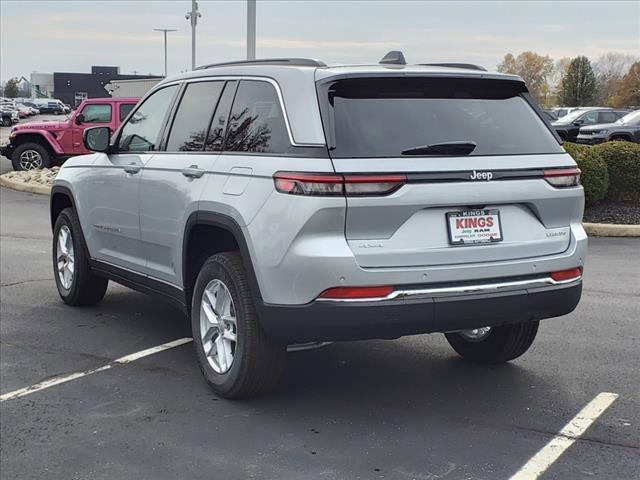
{"points": [[397, 317]]}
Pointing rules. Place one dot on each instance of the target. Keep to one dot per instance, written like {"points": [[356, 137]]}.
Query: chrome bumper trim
{"points": [[490, 287]]}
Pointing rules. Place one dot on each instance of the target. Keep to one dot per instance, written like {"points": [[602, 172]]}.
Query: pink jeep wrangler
{"points": [[46, 143]]}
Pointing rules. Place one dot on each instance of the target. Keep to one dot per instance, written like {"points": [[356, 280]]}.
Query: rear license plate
{"points": [[471, 227]]}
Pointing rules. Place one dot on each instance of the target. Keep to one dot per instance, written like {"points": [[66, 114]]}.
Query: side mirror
{"points": [[577, 123], [96, 139], [79, 119]]}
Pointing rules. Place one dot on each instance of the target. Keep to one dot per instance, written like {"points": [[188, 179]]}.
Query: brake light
{"points": [[564, 275], [357, 292], [563, 177], [317, 184], [309, 184]]}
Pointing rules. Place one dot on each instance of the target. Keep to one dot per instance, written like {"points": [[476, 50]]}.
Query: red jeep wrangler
{"points": [[43, 144]]}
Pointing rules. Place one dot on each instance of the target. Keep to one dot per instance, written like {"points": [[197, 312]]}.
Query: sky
{"points": [[52, 35]]}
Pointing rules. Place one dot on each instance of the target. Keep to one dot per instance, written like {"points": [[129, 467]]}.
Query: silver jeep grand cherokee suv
{"points": [[284, 201]]}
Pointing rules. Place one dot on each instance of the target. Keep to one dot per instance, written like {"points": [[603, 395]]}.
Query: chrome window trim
{"points": [[488, 287], [275, 85]]}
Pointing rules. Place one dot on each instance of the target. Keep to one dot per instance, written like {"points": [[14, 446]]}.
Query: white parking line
{"points": [[565, 437], [72, 376]]}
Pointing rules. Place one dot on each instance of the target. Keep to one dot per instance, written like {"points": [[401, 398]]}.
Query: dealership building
{"points": [[73, 88]]}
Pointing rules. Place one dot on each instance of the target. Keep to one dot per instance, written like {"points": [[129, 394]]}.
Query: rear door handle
{"points": [[193, 171], [132, 168]]}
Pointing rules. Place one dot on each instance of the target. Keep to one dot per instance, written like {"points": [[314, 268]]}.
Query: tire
{"points": [[501, 344], [29, 156], [256, 360], [84, 287], [6, 122]]}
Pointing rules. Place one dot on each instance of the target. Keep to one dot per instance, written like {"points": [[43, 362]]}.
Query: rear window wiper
{"points": [[444, 148]]}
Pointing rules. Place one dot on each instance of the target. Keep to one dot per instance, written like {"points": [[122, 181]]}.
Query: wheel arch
{"points": [[41, 138], [61, 198], [220, 233], [621, 136]]}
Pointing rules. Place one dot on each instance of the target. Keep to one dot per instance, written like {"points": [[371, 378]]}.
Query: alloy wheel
{"points": [[65, 257], [218, 327], [30, 160]]}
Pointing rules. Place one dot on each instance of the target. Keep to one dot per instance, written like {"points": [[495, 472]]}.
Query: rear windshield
{"points": [[384, 117]]}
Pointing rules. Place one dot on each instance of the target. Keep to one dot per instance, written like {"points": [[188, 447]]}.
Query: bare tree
{"points": [[534, 69], [609, 69]]}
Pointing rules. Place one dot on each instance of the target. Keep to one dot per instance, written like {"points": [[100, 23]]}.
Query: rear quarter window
{"points": [[382, 117]]}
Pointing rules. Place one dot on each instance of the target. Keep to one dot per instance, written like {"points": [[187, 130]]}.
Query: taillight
{"points": [[368, 185], [357, 292], [318, 184], [564, 275], [563, 177], [309, 184]]}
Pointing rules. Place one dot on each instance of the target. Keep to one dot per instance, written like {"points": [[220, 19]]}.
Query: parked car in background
{"points": [[550, 115], [32, 106], [67, 108], [32, 110], [42, 144], [23, 111], [49, 105], [9, 116], [626, 128], [569, 126]]}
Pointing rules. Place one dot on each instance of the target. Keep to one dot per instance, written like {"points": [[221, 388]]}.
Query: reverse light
{"points": [[564, 275], [563, 177], [318, 184], [356, 292]]}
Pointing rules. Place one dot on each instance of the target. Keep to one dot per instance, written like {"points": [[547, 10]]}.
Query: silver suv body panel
{"points": [[300, 246]]}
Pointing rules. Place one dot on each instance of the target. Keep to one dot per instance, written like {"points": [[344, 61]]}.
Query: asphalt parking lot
{"points": [[404, 409]]}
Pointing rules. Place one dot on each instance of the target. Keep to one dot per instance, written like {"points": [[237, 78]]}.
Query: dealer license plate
{"points": [[471, 227]]}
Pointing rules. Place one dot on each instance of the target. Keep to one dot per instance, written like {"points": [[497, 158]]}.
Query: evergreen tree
{"points": [[578, 87]]}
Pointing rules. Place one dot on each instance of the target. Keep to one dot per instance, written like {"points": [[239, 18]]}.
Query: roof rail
{"points": [[469, 66], [294, 62]]}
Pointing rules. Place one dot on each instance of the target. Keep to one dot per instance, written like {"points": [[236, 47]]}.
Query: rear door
{"points": [[462, 162], [173, 180]]}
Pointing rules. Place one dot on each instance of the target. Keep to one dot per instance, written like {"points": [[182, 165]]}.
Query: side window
{"points": [[98, 113], [194, 114], [142, 132], [220, 118], [590, 118], [607, 117], [125, 108], [256, 123]]}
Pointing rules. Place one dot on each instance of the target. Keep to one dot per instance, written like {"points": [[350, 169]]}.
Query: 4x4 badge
{"points": [[481, 176]]}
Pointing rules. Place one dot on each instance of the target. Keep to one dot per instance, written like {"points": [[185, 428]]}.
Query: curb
{"points": [[592, 229], [24, 187], [611, 230]]}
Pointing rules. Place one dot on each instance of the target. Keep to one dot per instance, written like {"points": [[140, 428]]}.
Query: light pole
{"points": [[251, 29], [193, 16], [165, 30]]}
